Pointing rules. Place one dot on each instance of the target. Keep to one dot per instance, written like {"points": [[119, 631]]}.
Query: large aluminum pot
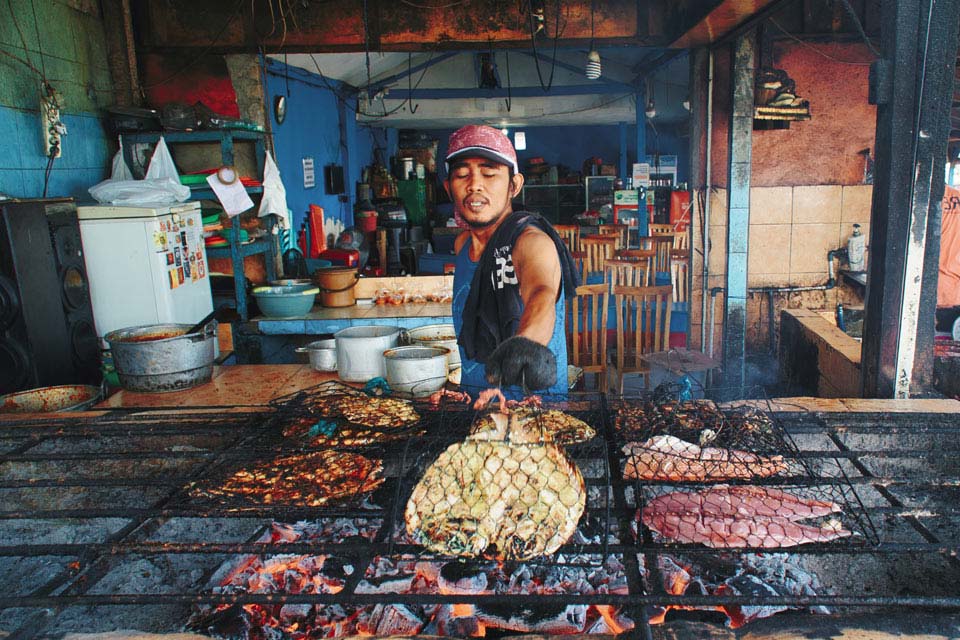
{"points": [[64, 397], [163, 357], [436, 335], [323, 354], [418, 371], [360, 351]]}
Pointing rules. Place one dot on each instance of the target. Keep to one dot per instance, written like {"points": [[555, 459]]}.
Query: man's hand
{"points": [[519, 361]]}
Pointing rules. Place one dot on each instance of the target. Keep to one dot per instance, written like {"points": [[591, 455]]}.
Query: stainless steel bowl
{"points": [[323, 354]]}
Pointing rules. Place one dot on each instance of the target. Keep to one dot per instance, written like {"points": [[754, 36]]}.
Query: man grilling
{"points": [[511, 272]]}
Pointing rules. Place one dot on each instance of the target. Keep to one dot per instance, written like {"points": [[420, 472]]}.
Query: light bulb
{"points": [[651, 110], [593, 65], [686, 104]]}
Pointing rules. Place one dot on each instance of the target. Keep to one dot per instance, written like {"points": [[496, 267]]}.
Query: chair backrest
{"points": [[596, 250], [570, 234], [643, 323], [663, 245], [588, 328], [620, 230], [681, 240], [679, 273], [645, 242], [658, 229], [627, 273]]}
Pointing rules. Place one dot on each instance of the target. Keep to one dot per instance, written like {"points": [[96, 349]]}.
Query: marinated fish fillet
{"points": [[505, 500], [666, 457], [741, 501], [528, 425], [726, 532]]}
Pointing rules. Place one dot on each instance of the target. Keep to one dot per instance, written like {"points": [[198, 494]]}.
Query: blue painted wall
{"points": [[323, 127], [570, 146], [66, 47]]}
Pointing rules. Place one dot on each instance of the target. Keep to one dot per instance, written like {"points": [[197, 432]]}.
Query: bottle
{"points": [[841, 323], [855, 250]]}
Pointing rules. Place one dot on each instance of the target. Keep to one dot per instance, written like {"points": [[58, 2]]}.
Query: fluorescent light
{"points": [[520, 141]]}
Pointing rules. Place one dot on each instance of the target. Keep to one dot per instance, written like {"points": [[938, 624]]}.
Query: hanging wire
{"points": [[509, 99], [816, 50], [556, 40], [413, 107]]}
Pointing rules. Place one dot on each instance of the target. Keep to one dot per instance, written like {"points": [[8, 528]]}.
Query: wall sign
{"points": [[309, 177]]}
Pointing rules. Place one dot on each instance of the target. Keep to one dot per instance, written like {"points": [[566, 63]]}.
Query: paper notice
{"points": [[233, 196]]}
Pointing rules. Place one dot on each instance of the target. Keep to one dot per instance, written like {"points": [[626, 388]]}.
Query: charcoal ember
{"points": [[457, 621], [387, 584], [547, 618], [748, 585], [389, 620], [295, 613], [462, 577], [610, 621]]}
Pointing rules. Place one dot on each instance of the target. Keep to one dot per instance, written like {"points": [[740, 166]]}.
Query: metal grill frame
{"points": [[238, 435]]}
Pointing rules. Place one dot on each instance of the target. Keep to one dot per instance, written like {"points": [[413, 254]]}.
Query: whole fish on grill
{"points": [[667, 457], [501, 499], [532, 425], [731, 517]]}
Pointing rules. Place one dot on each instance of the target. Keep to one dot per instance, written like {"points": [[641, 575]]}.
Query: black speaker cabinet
{"points": [[47, 335]]}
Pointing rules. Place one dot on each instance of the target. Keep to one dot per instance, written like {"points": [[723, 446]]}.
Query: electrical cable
{"points": [[556, 40], [46, 173], [856, 22], [509, 99], [815, 49], [580, 110], [413, 107]]}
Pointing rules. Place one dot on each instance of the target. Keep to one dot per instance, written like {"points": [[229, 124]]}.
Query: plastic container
{"points": [[366, 220], [285, 302], [336, 286]]}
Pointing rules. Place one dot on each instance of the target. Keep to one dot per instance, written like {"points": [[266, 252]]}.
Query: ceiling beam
{"points": [[621, 86], [514, 92]]}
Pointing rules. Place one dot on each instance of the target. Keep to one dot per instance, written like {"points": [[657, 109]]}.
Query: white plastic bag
{"points": [[161, 186], [274, 199], [120, 170]]}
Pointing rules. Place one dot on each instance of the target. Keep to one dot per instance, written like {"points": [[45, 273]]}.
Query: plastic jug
{"points": [[856, 250]]}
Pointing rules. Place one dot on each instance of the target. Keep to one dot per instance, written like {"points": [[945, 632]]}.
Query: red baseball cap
{"points": [[483, 141]]}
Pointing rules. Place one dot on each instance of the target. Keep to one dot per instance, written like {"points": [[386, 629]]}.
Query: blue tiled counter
{"points": [[323, 320]]}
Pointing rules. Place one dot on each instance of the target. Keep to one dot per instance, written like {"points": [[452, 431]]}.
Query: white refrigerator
{"points": [[145, 265]]}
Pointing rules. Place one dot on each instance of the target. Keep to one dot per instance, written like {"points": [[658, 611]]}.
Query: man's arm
{"points": [[537, 265]]}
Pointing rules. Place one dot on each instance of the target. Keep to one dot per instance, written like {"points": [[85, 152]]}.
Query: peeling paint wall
{"points": [[63, 41]]}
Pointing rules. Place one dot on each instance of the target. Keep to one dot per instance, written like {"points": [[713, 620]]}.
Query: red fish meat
{"points": [[734, 517]]}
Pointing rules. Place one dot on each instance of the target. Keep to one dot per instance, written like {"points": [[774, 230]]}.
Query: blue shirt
{"points": [[473, 374]]}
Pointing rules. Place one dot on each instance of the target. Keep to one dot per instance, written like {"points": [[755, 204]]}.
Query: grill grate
{"points": [[94, 498]]}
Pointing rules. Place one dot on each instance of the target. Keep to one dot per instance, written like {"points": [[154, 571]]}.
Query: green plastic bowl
{"points": [[286, 302]]}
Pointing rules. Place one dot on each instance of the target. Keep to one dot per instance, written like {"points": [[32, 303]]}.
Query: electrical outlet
{"points": [[52, 127]]}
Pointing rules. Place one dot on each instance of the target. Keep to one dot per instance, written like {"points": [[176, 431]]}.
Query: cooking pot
{"points": [[323, 354], [436, 335], [163, 357], [418, 371], [336, 285], [64, 397], [360, 351]]}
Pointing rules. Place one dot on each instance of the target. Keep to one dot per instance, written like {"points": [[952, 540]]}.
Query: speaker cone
{"points": [[9, 302], [73, 282], [14, 366]]}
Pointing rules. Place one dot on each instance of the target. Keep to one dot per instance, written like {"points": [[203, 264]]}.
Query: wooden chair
{"points": [[679, 273], [646, 242], [570, 234], [587, 331], [620, 230], [681, 240], [663, 245], [658, 229], [627, 273], [596, 250], [643, 326]]}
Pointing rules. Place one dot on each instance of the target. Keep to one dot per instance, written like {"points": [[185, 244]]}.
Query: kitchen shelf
{"points": [[236, 251], [558, 203]]}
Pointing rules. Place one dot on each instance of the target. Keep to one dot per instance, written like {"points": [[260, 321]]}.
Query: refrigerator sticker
{"points": [[186, 268], [180, 275], [200, 268], [160, 240], [173, 278], [170, 261], [189, 222], [183, 239], [176, 256]]}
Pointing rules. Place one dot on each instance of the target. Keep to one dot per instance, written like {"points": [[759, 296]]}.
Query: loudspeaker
{"points": [[47, 335], [333, 179]]}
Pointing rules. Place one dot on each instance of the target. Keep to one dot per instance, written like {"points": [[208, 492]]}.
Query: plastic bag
{"points": [[274, 199], [120, 170], [161, 186]]}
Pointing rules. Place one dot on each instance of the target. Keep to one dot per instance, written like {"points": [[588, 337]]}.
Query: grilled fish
{"points": [[666, 457]]}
